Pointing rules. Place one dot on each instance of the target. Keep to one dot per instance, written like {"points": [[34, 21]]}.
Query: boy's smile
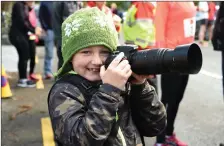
{"points": [[87, 62]]}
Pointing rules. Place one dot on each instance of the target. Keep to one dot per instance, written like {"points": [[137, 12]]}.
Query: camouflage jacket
{"points": [[106, 118]]}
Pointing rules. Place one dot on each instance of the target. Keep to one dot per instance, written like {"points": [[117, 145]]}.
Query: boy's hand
{"points": [[117, 72], [139, 79]]}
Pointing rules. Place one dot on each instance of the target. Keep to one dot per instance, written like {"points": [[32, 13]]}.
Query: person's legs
{"points": [[49, 48], [32, 55], [202, 30], [32, 46], [22, 45], [173, 87], [179, 84], [210, 29], [165, 88]]}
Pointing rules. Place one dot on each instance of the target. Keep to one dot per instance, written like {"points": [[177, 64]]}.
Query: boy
{"points": [[91, 105]]}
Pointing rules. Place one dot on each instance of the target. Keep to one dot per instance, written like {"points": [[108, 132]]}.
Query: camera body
{"points": [[184, 59], [128, 50]]}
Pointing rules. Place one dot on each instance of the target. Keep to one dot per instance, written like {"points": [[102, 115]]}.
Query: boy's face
{"points": [[87, 62]]}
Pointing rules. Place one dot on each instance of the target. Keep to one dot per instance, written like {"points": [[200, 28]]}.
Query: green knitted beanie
{"points": [[84, 28]]}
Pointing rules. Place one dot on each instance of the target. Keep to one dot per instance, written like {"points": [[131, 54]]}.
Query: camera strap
{"points": [[127, 89]]}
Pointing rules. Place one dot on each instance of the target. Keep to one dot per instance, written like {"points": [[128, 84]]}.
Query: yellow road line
{"points": [[39, 83], [47, 132], [36, 59]]}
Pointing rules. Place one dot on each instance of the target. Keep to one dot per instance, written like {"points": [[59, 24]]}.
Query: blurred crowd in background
{"points": [[145, 24], [117, 7]]}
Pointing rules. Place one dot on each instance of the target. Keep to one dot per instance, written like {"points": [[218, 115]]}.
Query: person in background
{"points": [[139, 29], [139, 26], [19, 37], [115, 11], [218, 40], [90, 4], [175, 25], [33, 39], [117, 17], [46, 21], [218, 37], [203, 18], [211, 18], [103, 7], [61, 10]]}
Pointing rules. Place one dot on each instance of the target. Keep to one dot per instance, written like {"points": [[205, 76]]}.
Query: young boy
{"points": [[91, 105]]}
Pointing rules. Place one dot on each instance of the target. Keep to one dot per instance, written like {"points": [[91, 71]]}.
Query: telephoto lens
{"points": [[184, 59]]}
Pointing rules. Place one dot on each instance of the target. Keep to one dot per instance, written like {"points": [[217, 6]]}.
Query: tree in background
{"points": [[6, 8]]}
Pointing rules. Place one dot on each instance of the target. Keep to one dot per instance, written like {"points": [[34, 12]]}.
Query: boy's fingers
{"points": [[126, 68], [116, 60], [134, 75], [123, 64], [129, 73], [102, 70]]}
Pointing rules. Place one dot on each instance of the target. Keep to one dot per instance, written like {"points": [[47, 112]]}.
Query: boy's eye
{"points": [[105, 52], [85, 52]]}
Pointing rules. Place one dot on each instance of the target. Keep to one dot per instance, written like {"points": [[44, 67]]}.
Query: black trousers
{"points": [[21, 42], [32, 46], [173, 87]]}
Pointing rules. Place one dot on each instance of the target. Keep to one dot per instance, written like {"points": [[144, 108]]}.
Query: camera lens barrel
{"points": [[184, 59]]}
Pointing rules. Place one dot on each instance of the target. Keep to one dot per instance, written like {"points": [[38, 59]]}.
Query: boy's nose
{"points": [[97, 60]]}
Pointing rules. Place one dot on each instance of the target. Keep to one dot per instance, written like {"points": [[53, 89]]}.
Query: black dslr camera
{"points": [[184, 59]]}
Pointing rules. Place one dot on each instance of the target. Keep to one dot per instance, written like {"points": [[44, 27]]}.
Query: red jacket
{"points": [[33, 18], [33, 21], [212, 10], [145, 10], [175, 23]]}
